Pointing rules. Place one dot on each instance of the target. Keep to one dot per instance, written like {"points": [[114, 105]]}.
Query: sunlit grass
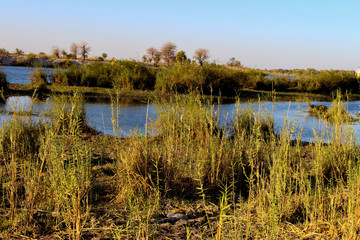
{"points": [[59, 179]]}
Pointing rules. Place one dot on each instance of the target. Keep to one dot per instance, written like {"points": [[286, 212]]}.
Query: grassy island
{"points": [[139, 80]]}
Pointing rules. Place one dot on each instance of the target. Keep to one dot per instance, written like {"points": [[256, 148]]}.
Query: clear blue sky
{"points": [[261, 34]]}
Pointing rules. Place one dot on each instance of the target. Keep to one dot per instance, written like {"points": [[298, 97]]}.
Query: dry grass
{"points": [[242, 181]]}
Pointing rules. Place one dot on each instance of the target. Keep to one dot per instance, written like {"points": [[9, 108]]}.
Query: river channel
{"points": [[134, 115]]}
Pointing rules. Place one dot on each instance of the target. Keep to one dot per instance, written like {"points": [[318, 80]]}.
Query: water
{"points": [[21, 75], [129, 115], [291, 77], [133, 115]]}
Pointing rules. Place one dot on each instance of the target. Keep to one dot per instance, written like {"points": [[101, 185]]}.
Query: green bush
{"points": [[59, 77], [209, 78], [38, 77], [39, 82], [121, 74], [328, 81], [275, 83], [223, 81], [180, 78], [31, 58], [132, 75]]}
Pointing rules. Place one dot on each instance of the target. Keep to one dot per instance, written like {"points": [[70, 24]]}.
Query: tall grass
{"points": [[263, 184], [273, 182], [44, 167]]}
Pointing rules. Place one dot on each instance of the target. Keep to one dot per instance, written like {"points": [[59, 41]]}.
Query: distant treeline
{"points": [[210, 78]]}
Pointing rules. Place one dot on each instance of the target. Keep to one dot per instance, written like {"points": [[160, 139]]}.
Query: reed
{"points": [[249, 181]]}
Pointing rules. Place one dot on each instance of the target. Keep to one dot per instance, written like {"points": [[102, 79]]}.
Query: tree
{"points": [[55, 51], [168, 52], [3, 51], [74, 49], [84, 50], [234, 63], [64, 53], [19, 51], [157, 58], [201, 55], [181, 57], [153, 55], [104, 55]]}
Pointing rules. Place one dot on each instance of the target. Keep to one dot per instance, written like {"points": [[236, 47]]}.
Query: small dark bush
{"points": [[3, 82]]}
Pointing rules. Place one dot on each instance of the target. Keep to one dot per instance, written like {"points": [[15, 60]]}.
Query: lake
{"points": [[132, 115], [20, 75]]}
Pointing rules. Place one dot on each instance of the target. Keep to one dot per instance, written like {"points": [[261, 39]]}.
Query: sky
{"points": [[260, 34]]}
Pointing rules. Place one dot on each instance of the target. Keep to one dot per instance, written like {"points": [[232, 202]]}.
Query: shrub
{"points": [[180, 78], [209, 78], [31, 58], [59, 77], [132, 75], [223, 81], [38, 80], [120, 74], [328, 81], [3, 51]]}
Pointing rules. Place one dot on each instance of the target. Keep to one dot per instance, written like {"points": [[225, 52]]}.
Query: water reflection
{"points": [[130, 115]]}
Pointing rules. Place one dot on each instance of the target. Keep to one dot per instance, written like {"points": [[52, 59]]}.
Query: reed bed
{"points": [[237, 179]]}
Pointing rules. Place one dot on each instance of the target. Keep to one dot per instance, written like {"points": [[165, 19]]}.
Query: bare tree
{"points": [[84, 50], [55, 51], [74, 49], [168, 52], [151, 53], [201, 55]]}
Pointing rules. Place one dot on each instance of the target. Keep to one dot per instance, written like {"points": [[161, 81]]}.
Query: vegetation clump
{"points": [[3, 82], [333, 114], [69, 111], [121, 74], [39, 82]]}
